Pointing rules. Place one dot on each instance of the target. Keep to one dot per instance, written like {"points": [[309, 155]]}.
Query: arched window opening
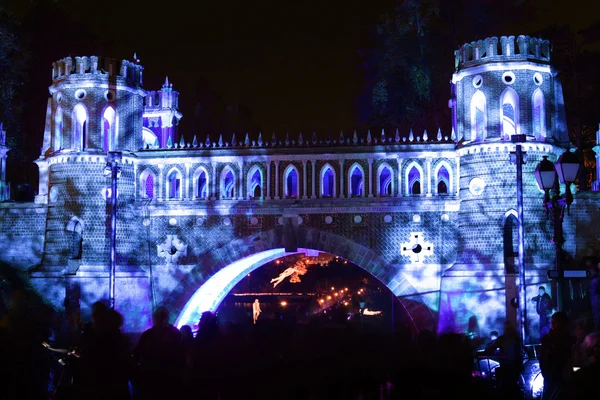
{"points": [[79, 122], [255, 184], [148, 186], [58, 129], [509, 113], [539, 114], [228, 185], [356, 181], [108, 129], [327, 182], [511, 247], [149, 139], [202, 185], [75, 227], [291, 182], [414, 181], [443, 181], [385, 182], [478, 116], [174, 185]]}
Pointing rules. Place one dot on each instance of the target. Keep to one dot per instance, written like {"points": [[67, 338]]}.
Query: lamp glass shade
{"points": [[567, 167], [545, 175]]}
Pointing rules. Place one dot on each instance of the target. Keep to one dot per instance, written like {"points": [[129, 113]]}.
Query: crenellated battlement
{"points": [[504, 48], [164, 98], [128, 70]]}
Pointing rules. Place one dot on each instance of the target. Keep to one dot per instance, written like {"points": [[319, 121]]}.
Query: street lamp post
{"points": [[566, 168], [113, 170]]}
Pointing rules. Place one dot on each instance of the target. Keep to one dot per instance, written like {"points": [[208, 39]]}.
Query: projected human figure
{"points": [[543, 307], [288, 272], [369, 312], [256, 310]]}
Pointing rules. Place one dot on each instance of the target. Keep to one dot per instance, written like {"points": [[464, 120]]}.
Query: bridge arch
{"points": [[219, 270]]}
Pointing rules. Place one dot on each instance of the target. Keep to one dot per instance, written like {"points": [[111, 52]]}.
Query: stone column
{"points": [[428, 173], [341, 179], [186, 194], [456, 176], [304, 184], [268, 179], [370, 177], [242, 192], [161, 182], [399, 192], [214, 181], [276, 179], [313, 166]]}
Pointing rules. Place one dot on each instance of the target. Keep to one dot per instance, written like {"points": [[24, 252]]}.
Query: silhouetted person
{"points": [[579, 355], [102, 369], [490, 348], [511, 361], [207, 359], [543, 307], [159, 358], [555, 356], [586, 383], [187, 337]]}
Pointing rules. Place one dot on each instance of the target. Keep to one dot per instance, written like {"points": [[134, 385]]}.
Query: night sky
{"points": [[293, 66]]}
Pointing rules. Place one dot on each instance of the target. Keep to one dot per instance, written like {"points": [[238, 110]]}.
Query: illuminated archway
{"points": [[201, 290]]}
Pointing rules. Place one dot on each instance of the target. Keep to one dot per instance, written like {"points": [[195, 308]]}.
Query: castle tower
{"points": [[161, 116], [4, 187], [502, 87], [95, 107]]}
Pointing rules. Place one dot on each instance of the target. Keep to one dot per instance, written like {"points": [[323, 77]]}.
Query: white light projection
{"points": [[213, 291]]}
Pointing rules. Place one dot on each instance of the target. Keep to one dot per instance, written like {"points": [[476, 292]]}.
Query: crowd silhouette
{"points": [[276, 360]]}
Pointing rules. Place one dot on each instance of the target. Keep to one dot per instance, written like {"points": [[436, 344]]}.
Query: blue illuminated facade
{"points": [[431, 215]]}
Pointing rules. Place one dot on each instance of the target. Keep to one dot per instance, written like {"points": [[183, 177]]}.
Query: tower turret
{"points": [[161, 116]]}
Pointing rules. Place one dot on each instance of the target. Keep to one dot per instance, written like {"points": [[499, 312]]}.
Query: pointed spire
{"points": [[166, 84], [273, 140], [300, 139], [453, 135], [169, 143], [314, 138], [397, 138], [247, 140], [182, 142], [287, 139], [425, 137], [342, 139], [260, 141], [156, 144], [404, 138], [233, 140], [355, 137], [220, 140], [207, 141], [411, 136], [439, 135], [195, 142], [382, 135], [369, 136]]}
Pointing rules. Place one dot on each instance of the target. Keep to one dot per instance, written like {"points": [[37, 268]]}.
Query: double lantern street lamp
{"points": [[545, 173]]}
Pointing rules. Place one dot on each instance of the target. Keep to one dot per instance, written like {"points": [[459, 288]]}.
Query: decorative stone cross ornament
{"points": [[416, 248], [172, 249]]}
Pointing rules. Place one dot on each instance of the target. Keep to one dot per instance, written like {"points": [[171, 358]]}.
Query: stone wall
{"points": [[22, 227]]}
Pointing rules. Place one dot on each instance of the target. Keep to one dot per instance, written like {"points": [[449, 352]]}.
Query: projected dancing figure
{"points": [[256, 310], [299, 270]]}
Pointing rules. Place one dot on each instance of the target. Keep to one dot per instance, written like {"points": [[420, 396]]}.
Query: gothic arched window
{"points": [[79, 122], [413, 180], [109, 122], [509, 113], [539, 114], [201, 183], [478, 116], [174, 185], [290, 177], [443, 181], [147, 182], [327, 181], [227, 184], [255, 183], [385, 185], [355, 181], [58, 128]]}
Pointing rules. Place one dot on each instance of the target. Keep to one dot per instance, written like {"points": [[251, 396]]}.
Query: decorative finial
{"points": [[169, 143], [453, 135], [247, 140], [156, 144], [327, 139], [411, 136], [273, 140], [207, 141], [220, 140], [439, 135], [355, 137], [287, 139], [314, 138], [342, 139], [135, 59], [397, 138], [382, 135], [233, 140], [425, 136], [300, 139], [182, 142], [369, 139], [260, 141], [195, 142], [166, 84]]}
